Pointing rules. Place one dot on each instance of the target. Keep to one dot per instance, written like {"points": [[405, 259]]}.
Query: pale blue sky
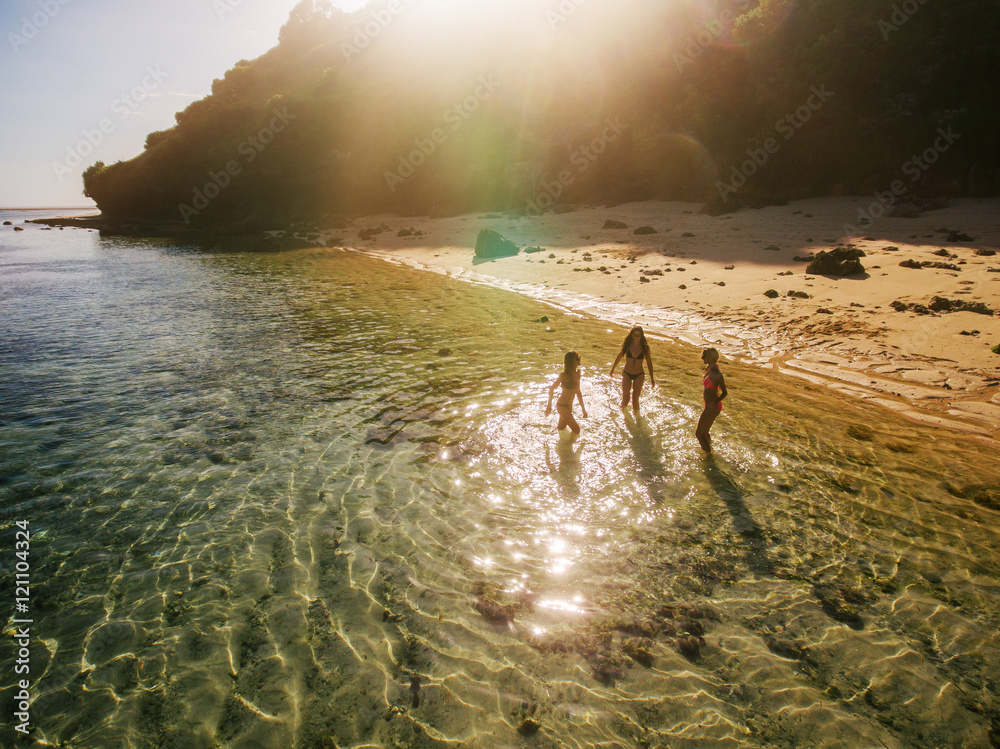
{"points": [[77, 66]]}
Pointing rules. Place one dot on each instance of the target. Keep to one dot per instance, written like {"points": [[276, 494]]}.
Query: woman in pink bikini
{"points": [[715, 391], [635, 350]]}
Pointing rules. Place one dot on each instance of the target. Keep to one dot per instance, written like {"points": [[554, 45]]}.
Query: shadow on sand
{"points": [[752, 534]]}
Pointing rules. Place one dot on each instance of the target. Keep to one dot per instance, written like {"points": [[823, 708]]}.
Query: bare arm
{"points": [[722, 387], [579, 395], [552, 391], [649, 363]]}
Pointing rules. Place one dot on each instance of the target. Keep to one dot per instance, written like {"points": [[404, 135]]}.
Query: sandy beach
{"points": [[704, 280]]}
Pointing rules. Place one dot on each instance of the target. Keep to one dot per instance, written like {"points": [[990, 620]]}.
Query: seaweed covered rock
{"points": [[491, 244], [840, 261]]}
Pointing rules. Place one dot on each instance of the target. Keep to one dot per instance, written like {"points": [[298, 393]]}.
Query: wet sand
{"points": [[702, 280]]}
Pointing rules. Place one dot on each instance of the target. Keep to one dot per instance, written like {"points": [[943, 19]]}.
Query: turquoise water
{"points": [[311, 499]]}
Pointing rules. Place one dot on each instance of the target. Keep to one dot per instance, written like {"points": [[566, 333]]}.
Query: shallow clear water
{"points": [[312, 500]]}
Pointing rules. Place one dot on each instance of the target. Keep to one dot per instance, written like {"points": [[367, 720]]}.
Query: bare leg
{"points": [[626, 388], [708, 417], [636, 389], [571, 423], [566, 419]]}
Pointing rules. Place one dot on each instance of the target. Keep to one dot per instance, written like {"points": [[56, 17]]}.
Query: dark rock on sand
{"points": [[943, 304], [910, 263], [840, 261], [766, 201], [804, 258], [533, 250], [718, 206], [490, 244], [8, 223], [609, 224], [771, 294], [904, 209], [797, 294], [18, 228], [645, 230], [959, 236], [982, 252]]}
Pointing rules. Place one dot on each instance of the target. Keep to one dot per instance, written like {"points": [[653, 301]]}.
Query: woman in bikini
{"points": [[569, 379], [715, 391], [634, 350]]}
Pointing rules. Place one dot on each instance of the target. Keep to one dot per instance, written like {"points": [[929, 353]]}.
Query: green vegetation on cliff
{"points": [[423, 106]]}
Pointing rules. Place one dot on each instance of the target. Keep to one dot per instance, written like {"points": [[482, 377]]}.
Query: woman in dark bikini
{"points": [[569, 379], [634, 350], [715, 391]]}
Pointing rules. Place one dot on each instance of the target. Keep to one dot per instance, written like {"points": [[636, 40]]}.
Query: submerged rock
{"points": [[528, 727], [861, 432]]}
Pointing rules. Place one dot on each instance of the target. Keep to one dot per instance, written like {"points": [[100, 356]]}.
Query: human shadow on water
{"points": [[647, 453], [568, 449], [752, 534]]}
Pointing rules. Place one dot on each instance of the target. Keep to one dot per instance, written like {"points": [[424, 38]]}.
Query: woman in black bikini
{"points": [[715, 390], [570, 381], [634, 350]]}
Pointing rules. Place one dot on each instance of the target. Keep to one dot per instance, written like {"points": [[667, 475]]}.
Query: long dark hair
{"points": [[570, 363], [628, 340]]}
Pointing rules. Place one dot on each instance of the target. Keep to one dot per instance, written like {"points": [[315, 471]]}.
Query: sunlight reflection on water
{"points": [[289, 498]]}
